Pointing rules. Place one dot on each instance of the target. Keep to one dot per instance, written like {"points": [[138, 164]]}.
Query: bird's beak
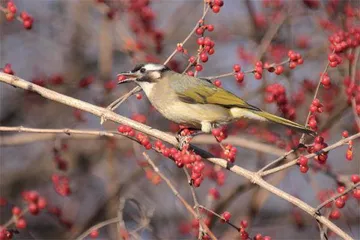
{"points": [[127, 77]]}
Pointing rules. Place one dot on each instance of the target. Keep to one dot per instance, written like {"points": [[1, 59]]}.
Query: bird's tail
{"points": [[283, 121]]}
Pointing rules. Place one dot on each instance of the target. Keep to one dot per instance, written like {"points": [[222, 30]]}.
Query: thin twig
{"points": [[115, 104], [97, 226], [189, 35], [353, 73], [219, 216], [302, 139], [177, 194], [276, 161], [318, 208], [327, 149], [247, 71], [196, 202]]}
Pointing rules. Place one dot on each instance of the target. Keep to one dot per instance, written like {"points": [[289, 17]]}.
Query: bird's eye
{"points": [[142, 70]]}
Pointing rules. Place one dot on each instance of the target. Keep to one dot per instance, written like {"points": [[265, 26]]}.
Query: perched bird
{"points": [[196, 102]]}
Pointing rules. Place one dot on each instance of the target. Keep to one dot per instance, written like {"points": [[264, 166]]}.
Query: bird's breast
{"points": [[168, 104]]}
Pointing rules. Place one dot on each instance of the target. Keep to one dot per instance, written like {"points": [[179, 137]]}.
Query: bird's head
{"points": [[148, 72], [145, 75]]}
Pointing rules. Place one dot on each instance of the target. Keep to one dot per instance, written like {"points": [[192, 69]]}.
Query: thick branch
{"points": [[98, 111]]}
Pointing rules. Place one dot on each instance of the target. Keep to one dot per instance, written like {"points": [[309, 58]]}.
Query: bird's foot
{"points": [[185, 135], [184, 141]]}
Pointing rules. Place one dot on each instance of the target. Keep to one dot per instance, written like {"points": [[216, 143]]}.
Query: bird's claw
{"points": [[183, 141]]}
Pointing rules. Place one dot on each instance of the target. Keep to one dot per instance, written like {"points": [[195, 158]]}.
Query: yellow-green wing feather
{"points": [[195, 90]]}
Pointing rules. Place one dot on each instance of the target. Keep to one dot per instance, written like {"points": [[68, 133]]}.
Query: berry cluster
{"points": [[35, 203], [277, 93], [341, 41], [340, 201], [258, 70], [126, 130], [316, 106], [226, 216], [10, 12], [184, 158], [303, 162], [27, 20], [295, 59], [334, 60], [325, 80], [318, 145], [239, 76], [61, 184], [144, 140], [202, 28], [352, 92], [216, 5], [142, 19], [229, 153]]}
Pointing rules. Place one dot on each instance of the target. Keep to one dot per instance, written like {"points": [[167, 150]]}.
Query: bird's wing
{"points": [[202, 91]]}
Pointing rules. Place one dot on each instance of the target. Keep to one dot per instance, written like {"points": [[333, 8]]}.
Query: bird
{"points": [[196, 102]]}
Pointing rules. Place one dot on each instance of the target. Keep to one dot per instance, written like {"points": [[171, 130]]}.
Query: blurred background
{"points": [[77, 47]]}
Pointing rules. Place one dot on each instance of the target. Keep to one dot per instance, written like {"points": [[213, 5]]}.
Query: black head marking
{"points": [[138, 67]]}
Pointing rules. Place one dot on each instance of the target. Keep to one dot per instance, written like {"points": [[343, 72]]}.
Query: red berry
{"points": [[192, 59], [138, 96], [27, 24], [259, 64], [204, 57], [340, 203], [279, 70], [356, 193], [257, 76], [20, 223], [219, 3], [345, 134], [33, 209], [41, 203], [33, 196], [199, 31], [303, 160], [16, 211], [217, 83], [226, 216], [335, 214], [94, 233], [333, 64], [216, 9], [210, 27], [293, 57], [244, 224], [239, 76], [292, 65], [200, 41], [304, 168], [237, 68], [355, 178], [199, 67]]}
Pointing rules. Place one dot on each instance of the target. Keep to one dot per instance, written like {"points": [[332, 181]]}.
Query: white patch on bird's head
{"points": [[154, 67]]}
